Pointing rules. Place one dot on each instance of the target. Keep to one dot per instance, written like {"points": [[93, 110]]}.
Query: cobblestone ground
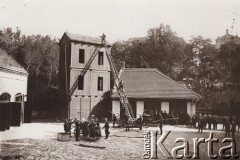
{"points": [[39, 141]]}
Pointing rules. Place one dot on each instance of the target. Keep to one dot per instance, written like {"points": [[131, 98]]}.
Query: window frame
{"points": [[81, 79], [100, 84], [100, 58], [81, 56]]}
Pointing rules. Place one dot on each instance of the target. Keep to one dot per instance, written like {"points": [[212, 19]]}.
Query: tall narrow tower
{"points": [[75, 52]]}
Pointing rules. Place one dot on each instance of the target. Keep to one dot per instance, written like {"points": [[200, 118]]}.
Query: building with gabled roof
{"points": [[149, 89], [13, 88], [13, 77]]}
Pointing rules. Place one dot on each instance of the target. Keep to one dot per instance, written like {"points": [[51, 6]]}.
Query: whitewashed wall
{"points": [[13, 84]]}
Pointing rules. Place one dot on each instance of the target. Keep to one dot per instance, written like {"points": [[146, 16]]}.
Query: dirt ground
{"points": [[39, 141]]}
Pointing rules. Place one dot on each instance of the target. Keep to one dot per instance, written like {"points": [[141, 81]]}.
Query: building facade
{"points": [[13, 82], [75, 52], [150, 90]]}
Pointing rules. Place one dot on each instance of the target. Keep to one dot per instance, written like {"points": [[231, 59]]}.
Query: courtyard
{"points": [[39, 141]]}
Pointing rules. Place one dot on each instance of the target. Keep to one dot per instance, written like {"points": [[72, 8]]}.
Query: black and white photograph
{"points": [[119, 79]]}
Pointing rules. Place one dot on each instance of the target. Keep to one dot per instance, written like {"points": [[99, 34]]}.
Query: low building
{"points": [[226, 39], [149, 89], [13, 82]]}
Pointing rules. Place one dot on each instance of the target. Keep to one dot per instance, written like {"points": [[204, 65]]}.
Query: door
{"points": [[5, 115], [2, 117], [16, 114]]}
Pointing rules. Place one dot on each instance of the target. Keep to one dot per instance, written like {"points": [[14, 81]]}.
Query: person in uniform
{"points": [[66, 126], [97, 122], [224, 122], [103, 37], [77, 127], [127, 123], [233, 128], [106, 127], [140, 122], [215, 122], [114, 120], [193, 121], [201, 123], [210, 121], [161, 125], [121, 85], [205, 121], [227, 127]]}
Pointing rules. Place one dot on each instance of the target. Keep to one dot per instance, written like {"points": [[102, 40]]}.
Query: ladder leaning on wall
{"points": [[122, 96]]}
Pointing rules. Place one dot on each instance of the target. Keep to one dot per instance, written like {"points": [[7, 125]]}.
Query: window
{"points": [[100, 83], [80, 82], [100, 58], [81, 55], [18, 97]]}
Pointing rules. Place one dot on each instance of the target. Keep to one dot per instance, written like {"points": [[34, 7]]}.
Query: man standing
{"points": [[106, 127], [224, 122], [140, 122], [209, 121], [66, 126], [160, 124], [114, 120], [214, 122], [227, 127], [233, 129], [127, 123], [103, 37], [77, 127], [200, 123]]}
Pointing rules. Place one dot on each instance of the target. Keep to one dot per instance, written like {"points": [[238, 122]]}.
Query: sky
{"points": [[121, 19]]}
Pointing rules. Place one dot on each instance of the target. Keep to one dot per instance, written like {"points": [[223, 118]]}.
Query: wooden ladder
{"points": [[122, 96]]}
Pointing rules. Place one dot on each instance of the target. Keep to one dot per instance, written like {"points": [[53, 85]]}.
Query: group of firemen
{"points": [[92, 124], [205, 121]]}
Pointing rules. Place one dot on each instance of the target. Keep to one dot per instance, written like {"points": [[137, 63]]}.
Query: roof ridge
{"points": [[5, 53], [150, 69], [176, 82], [68, 33], [85, 38]]}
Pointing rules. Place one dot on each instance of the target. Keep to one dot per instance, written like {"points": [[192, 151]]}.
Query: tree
{"points": [[161, 49], [39, 56]]}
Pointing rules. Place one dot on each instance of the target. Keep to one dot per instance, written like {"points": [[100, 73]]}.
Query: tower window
{"points": [[81, 55], [100, 83], [100, 58], [80, 82]]}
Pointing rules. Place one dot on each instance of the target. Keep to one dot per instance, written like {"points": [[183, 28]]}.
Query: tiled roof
{"points": [[85, 39], [151, 83], [7, 62]]}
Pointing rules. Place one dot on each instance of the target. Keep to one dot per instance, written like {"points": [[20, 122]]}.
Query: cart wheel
{"points": [[86, 137]]}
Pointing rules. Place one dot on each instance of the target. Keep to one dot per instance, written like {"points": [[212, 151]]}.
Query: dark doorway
{"points": [[5, 115], [16, 114]]}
